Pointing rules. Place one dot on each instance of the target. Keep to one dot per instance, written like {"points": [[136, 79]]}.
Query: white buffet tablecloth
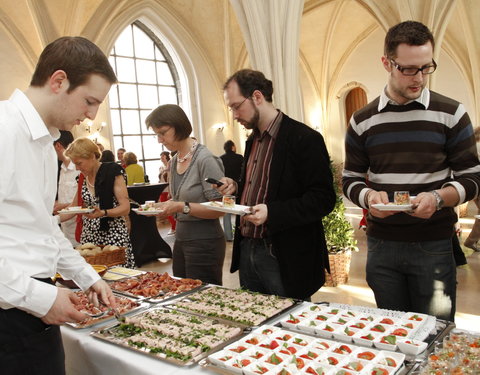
{"points": [[85, 355]]}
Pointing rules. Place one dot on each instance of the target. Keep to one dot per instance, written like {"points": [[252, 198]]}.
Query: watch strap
{"points": [[439, 199]]}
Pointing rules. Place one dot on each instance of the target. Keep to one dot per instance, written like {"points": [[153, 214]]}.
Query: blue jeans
{"points": [[259, 269], [413, 276]]}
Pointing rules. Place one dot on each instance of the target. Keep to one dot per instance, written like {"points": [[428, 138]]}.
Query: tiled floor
{"points": [[357, 292]]}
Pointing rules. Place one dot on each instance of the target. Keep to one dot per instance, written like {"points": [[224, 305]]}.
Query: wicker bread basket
{"points": [[108, 258]]}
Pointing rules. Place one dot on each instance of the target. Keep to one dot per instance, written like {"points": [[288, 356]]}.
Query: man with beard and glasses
{"points": [[411, 139], [280, 247]]}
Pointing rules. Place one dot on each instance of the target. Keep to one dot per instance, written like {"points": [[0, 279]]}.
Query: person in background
{"points": [[280, 248], [67, 184], [472, 240], [411, 139], [164, 176], [103, 188], [70, 81], [107, 157], [199, 248], [232, 162], [135, 172], [120, 153], [100, 147]]}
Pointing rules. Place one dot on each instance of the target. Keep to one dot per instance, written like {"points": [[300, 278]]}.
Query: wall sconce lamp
{"points": [[91, 127], [219, 126], [94, 130]]}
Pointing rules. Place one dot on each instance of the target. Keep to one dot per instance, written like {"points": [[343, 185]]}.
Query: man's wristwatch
{"points": [[186, 208], [440, 202]]}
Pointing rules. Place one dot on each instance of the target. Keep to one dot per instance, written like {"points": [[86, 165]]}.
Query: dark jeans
{"points": [[259, 269], [29, 346], [199, 259], [413, 276]]}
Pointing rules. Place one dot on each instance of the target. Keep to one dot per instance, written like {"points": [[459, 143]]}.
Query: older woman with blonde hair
{"points": [[103, 188]]}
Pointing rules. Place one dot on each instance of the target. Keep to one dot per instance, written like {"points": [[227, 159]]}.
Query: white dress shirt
{"points": [[67, 188], [31, 242]]}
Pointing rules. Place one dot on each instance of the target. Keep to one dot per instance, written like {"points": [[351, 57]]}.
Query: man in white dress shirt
{"points": [[67, 184], [71, 80]]}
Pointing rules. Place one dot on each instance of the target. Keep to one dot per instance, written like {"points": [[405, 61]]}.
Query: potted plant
{"points": [[339, 236]]}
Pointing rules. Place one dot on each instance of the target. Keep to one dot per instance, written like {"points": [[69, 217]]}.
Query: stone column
{"points": [[271, 29]]}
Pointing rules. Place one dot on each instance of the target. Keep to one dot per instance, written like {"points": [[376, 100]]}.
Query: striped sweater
{"points": [[415, 147]]}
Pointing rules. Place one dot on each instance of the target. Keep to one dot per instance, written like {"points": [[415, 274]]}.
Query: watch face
{"points": [[186, 209]]}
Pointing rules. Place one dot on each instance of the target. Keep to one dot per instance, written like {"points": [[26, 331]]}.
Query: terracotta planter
{"points": [[339, 268]]}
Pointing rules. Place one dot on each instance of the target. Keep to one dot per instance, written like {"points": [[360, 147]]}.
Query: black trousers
{"points": [[28, 346]]}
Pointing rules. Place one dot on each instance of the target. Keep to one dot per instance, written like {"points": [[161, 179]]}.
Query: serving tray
{"points": [[121, 302], [282, 351], [234, 305], [177, 337], [154, 287]]}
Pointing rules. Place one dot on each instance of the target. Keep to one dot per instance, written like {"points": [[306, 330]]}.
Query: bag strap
{"points": [[81, 177]]}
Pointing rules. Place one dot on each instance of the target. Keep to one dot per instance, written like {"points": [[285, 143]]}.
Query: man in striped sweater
{"points": [[411, 139]]}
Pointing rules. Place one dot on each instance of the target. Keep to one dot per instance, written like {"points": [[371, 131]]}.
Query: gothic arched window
{"points": [[146, 78]]}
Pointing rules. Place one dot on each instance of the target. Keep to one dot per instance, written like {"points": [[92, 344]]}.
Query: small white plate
{"points": [[76, 211], [237, 210], [413, 347], [147, 213], [392, 207]]}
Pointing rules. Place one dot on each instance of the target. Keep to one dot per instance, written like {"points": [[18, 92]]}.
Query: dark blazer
{"points": [[300, 194], [232, 162]]}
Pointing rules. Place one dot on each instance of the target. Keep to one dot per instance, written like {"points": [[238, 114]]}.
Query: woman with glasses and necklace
{"points": [[199, 248]]}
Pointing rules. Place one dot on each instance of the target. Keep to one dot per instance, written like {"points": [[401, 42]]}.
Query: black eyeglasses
{"points": [[407, 71], [236, 107]]}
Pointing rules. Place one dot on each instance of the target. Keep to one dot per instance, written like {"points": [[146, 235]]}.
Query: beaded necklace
{"points": [[189, 153]]}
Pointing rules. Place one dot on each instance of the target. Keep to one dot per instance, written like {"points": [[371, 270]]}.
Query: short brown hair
{"points": [[83, 148], [171, 115], [130, 158], [249, 80], [412, 33], [78, 57]]}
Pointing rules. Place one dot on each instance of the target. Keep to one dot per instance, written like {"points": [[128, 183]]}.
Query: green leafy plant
{"points": [[338, 230]]}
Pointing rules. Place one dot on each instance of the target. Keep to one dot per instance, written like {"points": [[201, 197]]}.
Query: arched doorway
{"points": [[355, 99]]}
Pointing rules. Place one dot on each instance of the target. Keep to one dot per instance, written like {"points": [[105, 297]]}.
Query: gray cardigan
{"points": [[191, 187]]}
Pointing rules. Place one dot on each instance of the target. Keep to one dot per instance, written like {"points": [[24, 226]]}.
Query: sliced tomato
{"points": [[366, 355], [391, 362], [332, 361], [400, 332]]}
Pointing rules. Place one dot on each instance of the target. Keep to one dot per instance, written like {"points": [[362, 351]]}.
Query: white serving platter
{"points": [[147, 213], [237, 210], [75, 210], [392, 207]]}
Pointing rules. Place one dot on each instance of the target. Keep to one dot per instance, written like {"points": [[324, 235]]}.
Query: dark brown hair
{"points": [[78, 57], [171, 115], [167, 155], [249, 80], [412, 33]]}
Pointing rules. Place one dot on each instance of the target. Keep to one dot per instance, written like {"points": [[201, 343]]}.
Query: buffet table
{"points": [[147, 244], [88, 355]]}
